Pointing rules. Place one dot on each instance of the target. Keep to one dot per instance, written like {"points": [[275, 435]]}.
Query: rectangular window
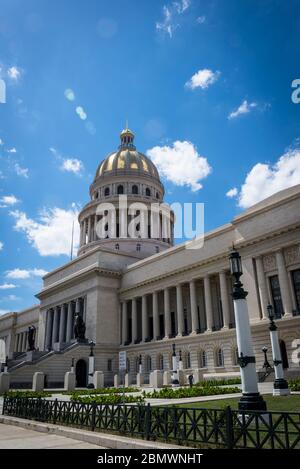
{"points": [[296, 284], [109, 365], [276, 296]]}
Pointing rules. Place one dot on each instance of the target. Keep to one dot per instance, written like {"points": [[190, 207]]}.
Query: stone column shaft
{"points": [[55, 325], [284, 284], [194, 311], [180, 317], [124, 323], [89, 229], [208, 303], [156, 331], [145, 323], [167, 312], [134, 322], [49, 326], [224, 299], [262, 287], [62, 324], [69, 332]]}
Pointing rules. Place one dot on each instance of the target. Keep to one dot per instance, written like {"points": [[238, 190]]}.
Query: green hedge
{"points": [[36, 394], [170, 393], [219, 382], [89, 392], [294, 384], [108, 399]]}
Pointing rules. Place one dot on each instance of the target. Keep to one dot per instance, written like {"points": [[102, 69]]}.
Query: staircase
{"points": [[266, 375]]}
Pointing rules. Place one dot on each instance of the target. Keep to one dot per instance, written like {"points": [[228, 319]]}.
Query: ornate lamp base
{"points": [[280, 387], [252, 401]]}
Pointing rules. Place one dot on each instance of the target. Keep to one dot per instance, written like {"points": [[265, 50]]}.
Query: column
{"points": [[95, 225], [179, 303], [49, 325], [62, 324], [208, 304], [156, 332], [262, 287], [84, 232], [89, 229], [55, 325], [224, 299], [69, 332], [24, 341], [124, 323], [134, 321], [167, 313], [194, 312], [17, 343], [284, 284], [145, 323]]}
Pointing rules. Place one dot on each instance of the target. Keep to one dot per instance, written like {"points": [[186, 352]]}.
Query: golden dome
{"points": [[127, 158]]}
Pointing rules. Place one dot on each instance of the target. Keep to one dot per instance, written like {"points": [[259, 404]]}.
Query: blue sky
{"points": [[204, 84]]}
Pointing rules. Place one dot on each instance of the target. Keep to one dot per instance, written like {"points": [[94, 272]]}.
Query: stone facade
{"points": [[143, 301]]}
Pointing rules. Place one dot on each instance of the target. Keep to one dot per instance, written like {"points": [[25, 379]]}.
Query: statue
{"points": [[31, 338], [79, 327]]}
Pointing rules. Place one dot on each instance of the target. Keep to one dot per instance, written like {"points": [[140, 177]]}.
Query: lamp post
{"points": [[280, 386], [91, 365], [266, 364], [251, 398], [175, 381], [180, 364], [140, 365]]}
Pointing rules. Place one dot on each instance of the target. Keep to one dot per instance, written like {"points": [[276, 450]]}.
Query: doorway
{"points": [[81, 374]]}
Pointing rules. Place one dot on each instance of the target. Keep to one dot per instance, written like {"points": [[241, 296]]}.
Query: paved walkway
{"points": [[12, 437]]}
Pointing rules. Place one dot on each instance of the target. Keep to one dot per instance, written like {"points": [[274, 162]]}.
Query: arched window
{"points": [[157, 195], [219, 357], [135, 189], [117, 246], [138, 247], [120, 189], [106, 191], [109, 364], [148, 192]]}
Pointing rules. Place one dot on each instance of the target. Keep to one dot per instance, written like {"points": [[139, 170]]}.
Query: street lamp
{"points": [[251, 398], [280, 386], [175, 381], [266, 364], [91, 365]]}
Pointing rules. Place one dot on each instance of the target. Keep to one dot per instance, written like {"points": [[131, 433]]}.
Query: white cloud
{"points": [[7, 286], [69, 94], [14, 73], [1, 141], [181, 164], [203, 79], [81, 112], [23, 172], [232, 192], [51, 234], [8, 200], [3, 311], [265, 180], [171, 16], [201, 19], [25, 273], [1, 245], [244, 108], [72, 165], [11, 150]]}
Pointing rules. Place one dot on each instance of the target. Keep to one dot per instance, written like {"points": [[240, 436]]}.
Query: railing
{"points": [[217, 428]]}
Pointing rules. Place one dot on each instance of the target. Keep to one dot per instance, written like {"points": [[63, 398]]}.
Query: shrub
{"points": [[294, 384], [36, 394], [170, 393], [94, 392], [219, 382], [108, 399]]}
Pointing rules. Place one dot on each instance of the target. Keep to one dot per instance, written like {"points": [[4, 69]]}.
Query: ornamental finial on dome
{"points": [[127, 137]]}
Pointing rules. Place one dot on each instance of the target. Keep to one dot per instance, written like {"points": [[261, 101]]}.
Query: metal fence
{"points": [[218, 428]]}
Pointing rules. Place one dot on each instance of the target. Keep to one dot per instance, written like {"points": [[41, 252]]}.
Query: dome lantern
{"points": [[127, 137]]}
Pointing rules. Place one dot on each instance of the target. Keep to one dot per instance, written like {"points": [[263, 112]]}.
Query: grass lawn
{"points": [[281, 403]]}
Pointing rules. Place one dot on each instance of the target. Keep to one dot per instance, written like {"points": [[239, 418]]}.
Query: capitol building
{"points": [[142, 294]]}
